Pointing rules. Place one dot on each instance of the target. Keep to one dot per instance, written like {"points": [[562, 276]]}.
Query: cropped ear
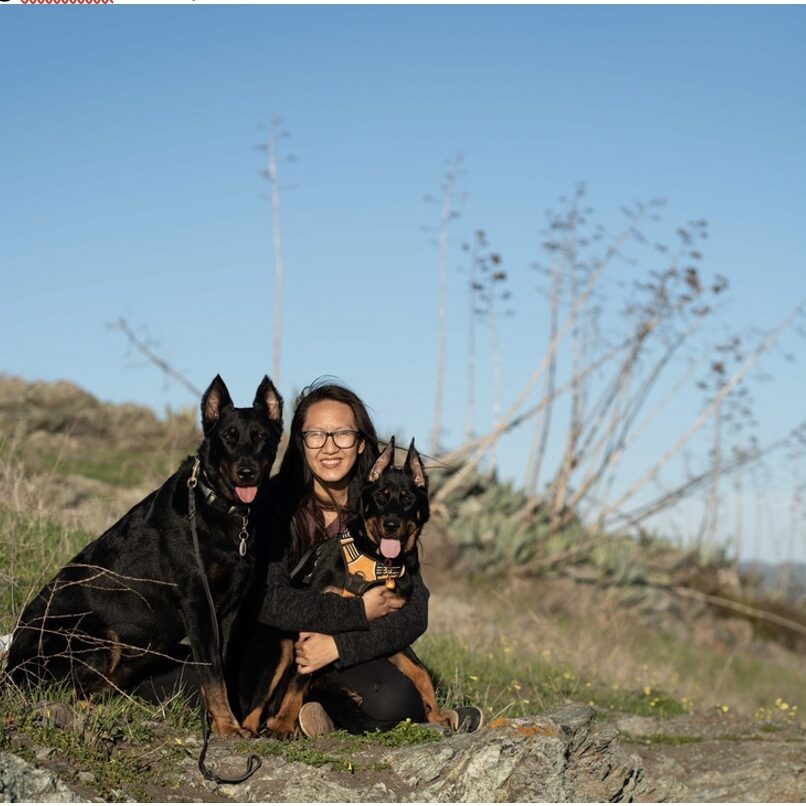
{"points": [[383, 461], [414, 466], [214, 401], [268, 398]]}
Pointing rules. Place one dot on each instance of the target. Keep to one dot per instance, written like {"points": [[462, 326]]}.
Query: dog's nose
{"points": [[246, 474], [391, 524]]}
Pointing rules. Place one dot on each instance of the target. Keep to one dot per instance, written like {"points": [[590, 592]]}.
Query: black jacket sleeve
{"points": [[389, 634], [295, 610]]}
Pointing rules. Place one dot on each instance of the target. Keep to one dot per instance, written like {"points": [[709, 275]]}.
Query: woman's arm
{"points": [[294, 610], [387, 635]]}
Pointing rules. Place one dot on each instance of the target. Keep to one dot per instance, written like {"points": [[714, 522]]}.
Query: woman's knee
{"points": [[369, 696], [393, 704], [389, 697]]}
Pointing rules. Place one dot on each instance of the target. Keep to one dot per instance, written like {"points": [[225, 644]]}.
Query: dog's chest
{"points": [[342, 568]]}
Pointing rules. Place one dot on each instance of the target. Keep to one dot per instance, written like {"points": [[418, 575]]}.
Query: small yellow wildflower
{"points": [[568, 676], [647, 690], [473, 677]]}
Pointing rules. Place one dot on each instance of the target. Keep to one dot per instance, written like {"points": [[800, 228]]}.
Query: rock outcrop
{"points": [[562, 756], [21, 782]]}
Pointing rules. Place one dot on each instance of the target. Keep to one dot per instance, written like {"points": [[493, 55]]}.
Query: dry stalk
{"points": [[543, 424], [667, 499], [705, 414], [446, 215], [505, 426], [484, 444], [746, 610], [272, 176]]}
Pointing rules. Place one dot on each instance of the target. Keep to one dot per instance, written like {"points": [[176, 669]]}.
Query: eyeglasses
{"points": [[341, 439]]}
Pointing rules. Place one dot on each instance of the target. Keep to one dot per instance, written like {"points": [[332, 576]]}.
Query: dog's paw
{"points": [[280, 729], [227, 728], [252, 722], [447, 717]]}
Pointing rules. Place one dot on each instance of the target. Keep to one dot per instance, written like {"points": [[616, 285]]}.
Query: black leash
{"points": [[254, 762]]}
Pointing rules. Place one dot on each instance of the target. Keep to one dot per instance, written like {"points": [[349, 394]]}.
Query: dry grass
{"points": [[557, 639]]}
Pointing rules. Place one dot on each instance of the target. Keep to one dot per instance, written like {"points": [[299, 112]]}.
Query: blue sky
{"points": [[132, 188]]}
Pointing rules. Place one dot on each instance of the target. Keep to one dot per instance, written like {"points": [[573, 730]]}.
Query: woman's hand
{"points": [[379, 602], [314, 651]]}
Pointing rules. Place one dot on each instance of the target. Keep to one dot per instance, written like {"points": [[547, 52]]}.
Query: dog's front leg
{"points": [[207, 654]]}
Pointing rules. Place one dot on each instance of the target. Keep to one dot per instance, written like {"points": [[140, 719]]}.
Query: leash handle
{"points": [[252, 763]]}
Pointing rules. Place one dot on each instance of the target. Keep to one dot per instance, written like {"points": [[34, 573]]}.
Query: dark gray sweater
{"points": [[298, 610]]}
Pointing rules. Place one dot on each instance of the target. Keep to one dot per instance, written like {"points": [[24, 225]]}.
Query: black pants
{"points": [[368, 696]]}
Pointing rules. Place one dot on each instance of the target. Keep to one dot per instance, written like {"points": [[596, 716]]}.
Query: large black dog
{"points": [[176, 566], [378, 548]]}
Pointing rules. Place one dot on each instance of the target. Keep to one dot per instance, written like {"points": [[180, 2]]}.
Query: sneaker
{"points": [[471, 718], [314, 721]]}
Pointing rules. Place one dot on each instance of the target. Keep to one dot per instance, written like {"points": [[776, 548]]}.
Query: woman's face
{"points": [[330, 464]]}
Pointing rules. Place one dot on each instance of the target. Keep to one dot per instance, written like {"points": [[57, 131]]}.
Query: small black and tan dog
{"points": [[378, 548], [176, 565]]}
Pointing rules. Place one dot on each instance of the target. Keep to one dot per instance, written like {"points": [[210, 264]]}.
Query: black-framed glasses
{"points": [[341, 439]]}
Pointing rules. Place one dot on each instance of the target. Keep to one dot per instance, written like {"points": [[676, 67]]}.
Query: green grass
{"points": [[116, 739], [32, 549], [508, 682], [757, 681], [303, 751], [119, 472], [403, 735], [340, 749], [116, 467]]}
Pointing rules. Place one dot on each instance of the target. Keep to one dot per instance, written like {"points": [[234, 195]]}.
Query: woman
{"points": [[332, 446]]}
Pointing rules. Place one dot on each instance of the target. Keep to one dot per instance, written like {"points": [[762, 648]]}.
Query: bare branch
{"points": [[447, 215], [706, 413], [452, 483], [159, 362]]}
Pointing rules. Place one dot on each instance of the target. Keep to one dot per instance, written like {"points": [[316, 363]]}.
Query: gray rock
{"points": [[561, 756], [716, 757], [21, 782]]}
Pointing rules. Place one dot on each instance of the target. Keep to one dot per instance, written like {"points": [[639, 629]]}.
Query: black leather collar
{"points": [[214, 500]]}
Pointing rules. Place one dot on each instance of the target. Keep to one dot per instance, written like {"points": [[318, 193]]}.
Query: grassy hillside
{"points": [[520, 620]]}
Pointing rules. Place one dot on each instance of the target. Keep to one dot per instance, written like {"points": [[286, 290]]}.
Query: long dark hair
{"points": [[296, 479]]}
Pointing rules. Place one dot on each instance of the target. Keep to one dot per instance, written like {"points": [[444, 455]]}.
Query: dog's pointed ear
{"points": [[214, 401], [383, 461], [268, 398], [414, 466]]}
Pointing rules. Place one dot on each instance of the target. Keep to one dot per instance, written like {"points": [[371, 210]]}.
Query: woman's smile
{"points": [[330, 464]]}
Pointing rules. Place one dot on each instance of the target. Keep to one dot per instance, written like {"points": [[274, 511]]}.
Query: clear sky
{"points": [[131, 187]]}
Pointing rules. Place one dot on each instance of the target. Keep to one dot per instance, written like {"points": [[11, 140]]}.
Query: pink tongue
{"points": [[246, 494], [390, 548]]}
